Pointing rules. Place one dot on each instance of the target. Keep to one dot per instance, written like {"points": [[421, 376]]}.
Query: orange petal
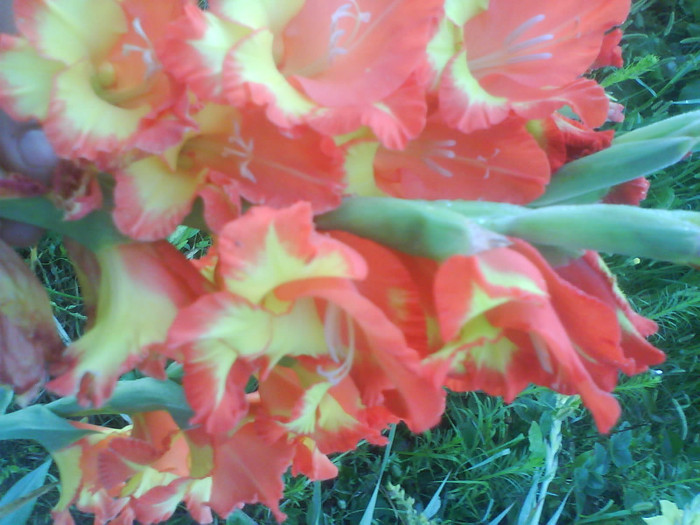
{"points": [[502, 163], [267, 248], [141, 288]]}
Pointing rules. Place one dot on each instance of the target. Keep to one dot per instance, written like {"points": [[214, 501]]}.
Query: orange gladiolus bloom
{"points": [[138, 473], [503, 163], [135, 291], [337, 64], [94, 81], [231, 154], [276, 274], [514, 321], [524, 57]]}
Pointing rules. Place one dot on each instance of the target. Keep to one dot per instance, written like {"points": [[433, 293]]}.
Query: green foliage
{"points": [[496, 454], [17, 503]]}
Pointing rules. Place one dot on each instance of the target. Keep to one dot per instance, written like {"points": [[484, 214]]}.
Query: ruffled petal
{"points": [[267, 248], [256, 15], [250, 64], [272, 167], [395, 120], [25, 79], [590, 274], [195, 48], [514, 323], [71, 31], [237, 477], [306, 404], [539, 43], [464, 104], [345, 53], [80, 124], [386, 371], [141, 288], [151, 199]]}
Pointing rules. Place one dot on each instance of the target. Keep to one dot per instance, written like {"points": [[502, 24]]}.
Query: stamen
{"points": [[347, 10], [335, 36], [542, 354], [338, 352], [522, 28], [531, 42], [246, 173], [445, 143], [242, 149], [147, 52], [342, 12], [436, 167], [448, 153], [529, 58]]}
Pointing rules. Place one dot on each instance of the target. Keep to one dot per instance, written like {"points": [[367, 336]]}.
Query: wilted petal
{"points": [[28, 337]]}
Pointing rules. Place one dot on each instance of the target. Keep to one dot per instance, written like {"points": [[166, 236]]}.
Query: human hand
{"points": [[23, 149]]}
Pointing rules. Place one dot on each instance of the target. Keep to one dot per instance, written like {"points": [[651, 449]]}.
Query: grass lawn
{"points": [[539, 459]]}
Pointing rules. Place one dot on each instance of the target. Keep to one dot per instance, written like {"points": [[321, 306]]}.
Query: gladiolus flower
{"points": [[514, 321], [336, 64], [276, 274], [95, 83], [590, 274], [232, 152], [503, 163], [139, 289], [138, 473], [526, 57]]}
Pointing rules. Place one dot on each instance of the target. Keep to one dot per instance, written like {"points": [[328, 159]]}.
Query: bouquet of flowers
{"points": [[402, 196]]}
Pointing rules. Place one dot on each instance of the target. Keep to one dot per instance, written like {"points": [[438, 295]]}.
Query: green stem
{"points": [[414, 227], [440, 229], [93, 231]]}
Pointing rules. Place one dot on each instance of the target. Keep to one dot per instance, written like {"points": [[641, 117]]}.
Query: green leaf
{"points": [[686, 125], [435, 502], [414, 227], [631, 71], [130, 397], [369, 511], [18, 502], [498, 519], [40, 424], [181, 236], [620, 444], [313, 517], [6, 395], [537, 446], [586, 179]]}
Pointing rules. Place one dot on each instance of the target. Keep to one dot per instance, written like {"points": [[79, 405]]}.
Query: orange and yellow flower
{"points": [[525, 58], [508, 320], [134, 292], [333, 64], [96, 85], [275, 275]]}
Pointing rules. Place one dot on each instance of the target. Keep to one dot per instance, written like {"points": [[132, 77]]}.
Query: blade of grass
{"points": [[369, 511]]}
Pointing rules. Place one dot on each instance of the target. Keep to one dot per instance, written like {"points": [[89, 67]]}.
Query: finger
{"points": [[25, 149]]}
